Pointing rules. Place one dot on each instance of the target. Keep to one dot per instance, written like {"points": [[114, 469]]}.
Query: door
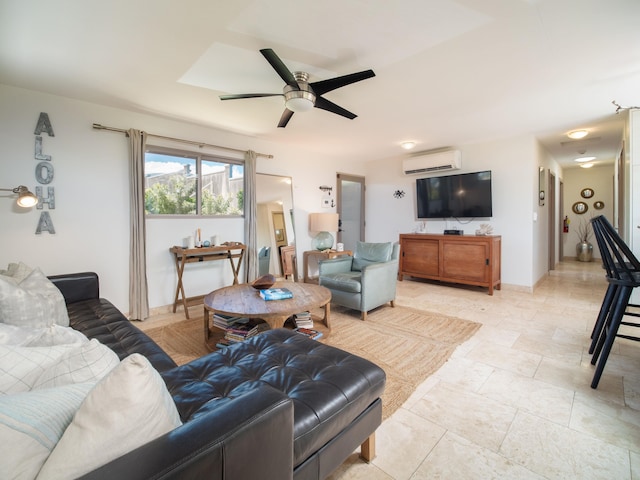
{"points": [[350, 207], [551, 202]]}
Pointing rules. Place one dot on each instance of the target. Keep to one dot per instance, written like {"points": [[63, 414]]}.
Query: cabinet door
{"points": [[420, 257], [465, 261]]}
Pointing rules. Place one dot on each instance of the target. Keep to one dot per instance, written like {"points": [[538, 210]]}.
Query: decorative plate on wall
{"points": [[579, 208], [587, 193], [598, 205]]}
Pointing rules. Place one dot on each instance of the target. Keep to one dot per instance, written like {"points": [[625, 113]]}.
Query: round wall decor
{"points": [[587, 193], [579, 208]]}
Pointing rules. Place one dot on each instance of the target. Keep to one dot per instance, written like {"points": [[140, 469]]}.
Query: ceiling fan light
{"points": [[586, 165], [583, 159], [577, 134], [299, 104]]}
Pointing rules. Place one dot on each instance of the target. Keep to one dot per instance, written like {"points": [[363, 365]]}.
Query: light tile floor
{"points": [[514, 401]]}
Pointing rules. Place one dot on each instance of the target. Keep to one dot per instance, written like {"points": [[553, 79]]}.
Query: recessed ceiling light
{"points": [[586, 165], [584, 159], [577, 134], [408, 145]]}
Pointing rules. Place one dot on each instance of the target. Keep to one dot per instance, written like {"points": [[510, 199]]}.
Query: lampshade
{"points": [[323, 223]]}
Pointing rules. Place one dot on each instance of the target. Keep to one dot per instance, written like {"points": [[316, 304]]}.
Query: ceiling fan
{"points": [[300, 95]]}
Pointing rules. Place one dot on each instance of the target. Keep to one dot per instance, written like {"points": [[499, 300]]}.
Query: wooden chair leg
{"points": [[368, 448], [363, 316], [393, 303]]}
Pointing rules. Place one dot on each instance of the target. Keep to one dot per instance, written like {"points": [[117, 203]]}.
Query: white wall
{"points": [[91, 183], [514, 190], [91, 187], [601, 180]]}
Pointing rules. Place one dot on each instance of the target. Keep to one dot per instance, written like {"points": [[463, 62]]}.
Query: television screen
{"points": [[465, 195]]}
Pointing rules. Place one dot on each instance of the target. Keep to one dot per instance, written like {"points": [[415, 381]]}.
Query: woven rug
{"points": [[408, 344]]}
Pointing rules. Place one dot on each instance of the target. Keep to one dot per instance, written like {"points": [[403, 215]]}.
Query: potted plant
{"points": [[584, 249]]}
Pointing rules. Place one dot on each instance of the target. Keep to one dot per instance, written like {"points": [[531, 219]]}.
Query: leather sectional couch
{"points": [[277, 406]]}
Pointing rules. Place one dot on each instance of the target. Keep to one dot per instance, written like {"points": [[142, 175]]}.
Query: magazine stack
{"points": [[303, 320]]}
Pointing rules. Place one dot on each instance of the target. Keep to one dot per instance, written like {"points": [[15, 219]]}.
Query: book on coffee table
{"points": [[276, 293], [309, 332]]}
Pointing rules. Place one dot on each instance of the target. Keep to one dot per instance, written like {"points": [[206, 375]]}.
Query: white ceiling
{"points": [[448, 72]]}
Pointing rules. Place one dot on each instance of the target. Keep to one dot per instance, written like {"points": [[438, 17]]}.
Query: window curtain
{"points": [[138, 288], [250, 216]]}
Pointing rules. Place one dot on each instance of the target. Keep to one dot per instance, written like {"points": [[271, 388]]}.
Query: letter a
{"points": [[44, 125]]}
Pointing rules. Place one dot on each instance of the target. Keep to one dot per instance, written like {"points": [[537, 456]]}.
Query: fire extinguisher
{"points": [[565, 224]]}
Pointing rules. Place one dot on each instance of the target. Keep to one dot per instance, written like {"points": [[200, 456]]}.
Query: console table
{"points": [[466, 259], [233, 252]]}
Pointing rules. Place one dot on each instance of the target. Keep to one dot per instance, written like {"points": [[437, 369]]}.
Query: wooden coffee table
{"points": [[244, 301]]}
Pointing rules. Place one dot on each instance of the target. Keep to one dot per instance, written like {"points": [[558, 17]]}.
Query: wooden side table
{"points": [[311, 259], [205, 254]]}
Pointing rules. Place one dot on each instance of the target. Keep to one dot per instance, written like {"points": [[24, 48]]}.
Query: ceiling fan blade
{"points": [[325, 104], [324, 86], [284, 119], [249, 95], [279, 66]]}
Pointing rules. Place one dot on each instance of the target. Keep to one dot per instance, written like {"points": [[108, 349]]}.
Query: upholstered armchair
{"points": [[364, 281], [264, 257]]}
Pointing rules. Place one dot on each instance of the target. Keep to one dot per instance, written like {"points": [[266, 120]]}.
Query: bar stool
{"points": [[623, 275]]}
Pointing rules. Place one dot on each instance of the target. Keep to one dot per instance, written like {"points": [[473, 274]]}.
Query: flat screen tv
{"points": [[467, 195]]}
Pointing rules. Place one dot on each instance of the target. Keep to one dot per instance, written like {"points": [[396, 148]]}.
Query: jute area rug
{"points": [[408, 344]]}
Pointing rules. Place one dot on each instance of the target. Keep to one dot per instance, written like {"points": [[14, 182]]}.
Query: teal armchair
{"points": [[364, 281]]}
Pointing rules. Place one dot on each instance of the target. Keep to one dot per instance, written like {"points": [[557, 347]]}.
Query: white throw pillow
{"points": [[32, 423], [21, 367], [85, 363], [17, 271], [128, 408], [34, 302]]}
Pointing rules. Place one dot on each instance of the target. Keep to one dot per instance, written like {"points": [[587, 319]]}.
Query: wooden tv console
{"points": [[467, 259]]}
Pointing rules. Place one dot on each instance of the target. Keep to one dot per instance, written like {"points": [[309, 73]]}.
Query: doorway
{"points": [[350, 208]]}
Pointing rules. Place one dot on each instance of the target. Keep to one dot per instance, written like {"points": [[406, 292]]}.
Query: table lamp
{"points": [[323, 223]]}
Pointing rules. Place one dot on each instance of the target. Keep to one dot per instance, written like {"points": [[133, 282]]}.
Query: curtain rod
{"points": [[97, 126]]}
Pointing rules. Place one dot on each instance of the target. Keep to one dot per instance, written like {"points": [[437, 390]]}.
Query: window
{"points": [[185, 183]]}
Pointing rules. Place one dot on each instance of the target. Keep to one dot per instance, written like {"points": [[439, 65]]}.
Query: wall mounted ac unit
{"points": [[432, 162]]}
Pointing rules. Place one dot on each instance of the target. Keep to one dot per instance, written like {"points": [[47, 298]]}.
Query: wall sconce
{"points": [[25, 197]]}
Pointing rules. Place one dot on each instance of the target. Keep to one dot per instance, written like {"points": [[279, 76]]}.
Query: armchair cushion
{"points": [[347, 282], [368, 253]]}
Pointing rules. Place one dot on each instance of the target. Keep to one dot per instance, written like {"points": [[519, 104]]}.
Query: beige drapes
{"points": [[250, 216], [138, 288]]}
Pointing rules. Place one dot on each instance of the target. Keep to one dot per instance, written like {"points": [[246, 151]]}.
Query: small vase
{"points": [[584, 251]]}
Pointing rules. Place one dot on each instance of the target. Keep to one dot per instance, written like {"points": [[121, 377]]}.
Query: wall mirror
{"points": [[541, 186], [579, 208], [274, 211], [587, 193]]}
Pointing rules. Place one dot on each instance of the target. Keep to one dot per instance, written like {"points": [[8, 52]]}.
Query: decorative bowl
{"points": [[265, 281]]}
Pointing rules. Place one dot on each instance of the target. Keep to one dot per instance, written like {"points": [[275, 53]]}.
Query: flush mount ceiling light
{"points": [[577, 134], [586, 165], [408, 145], [583, 159]]}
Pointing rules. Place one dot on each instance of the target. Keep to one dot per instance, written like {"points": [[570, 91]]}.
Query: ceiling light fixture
{"points": [[25, 197], [408, 145], [586, 165], [577, 134], [583, 159], [302, 99]]}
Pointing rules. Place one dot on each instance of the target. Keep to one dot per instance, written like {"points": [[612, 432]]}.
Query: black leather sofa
{"points": [[277, 406]]}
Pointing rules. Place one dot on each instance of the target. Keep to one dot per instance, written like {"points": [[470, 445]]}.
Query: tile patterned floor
{"points": [[514, 401]]}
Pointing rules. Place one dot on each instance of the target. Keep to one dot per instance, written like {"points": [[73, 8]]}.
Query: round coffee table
{"points": [[244, 301]]}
